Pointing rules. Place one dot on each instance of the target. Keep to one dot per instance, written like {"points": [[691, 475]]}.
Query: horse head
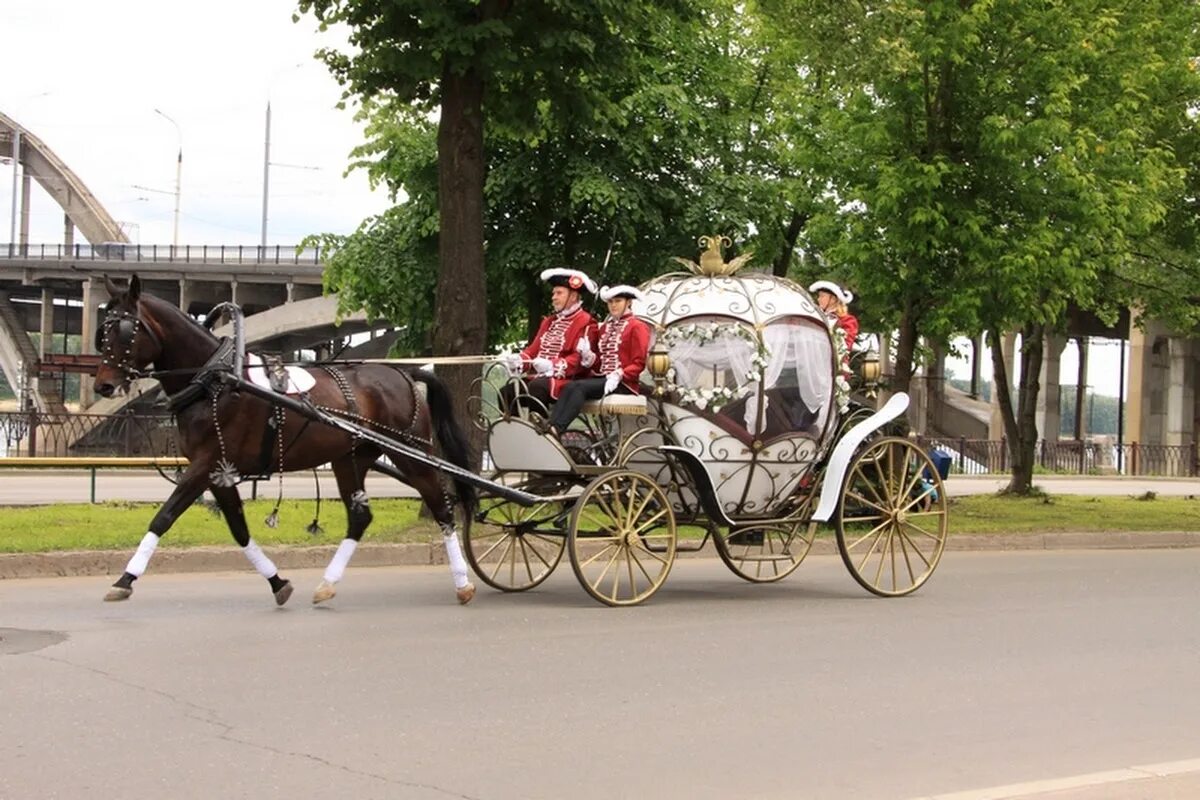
{"points": [[126, 340]]}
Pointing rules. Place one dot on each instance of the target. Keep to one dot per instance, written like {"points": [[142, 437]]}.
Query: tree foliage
{"points": [[993, 161]]}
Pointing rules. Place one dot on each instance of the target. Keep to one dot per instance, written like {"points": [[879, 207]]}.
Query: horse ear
{"points": [[135, 288], [110, 287]]}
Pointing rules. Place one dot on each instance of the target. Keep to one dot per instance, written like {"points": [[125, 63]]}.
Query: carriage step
{"points": [[771, 557], [680, 547]]}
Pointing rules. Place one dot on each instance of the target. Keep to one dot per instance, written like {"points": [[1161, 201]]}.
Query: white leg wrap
{"points": [[458, 564], [255, 555], [337, 567], [141, 559]]}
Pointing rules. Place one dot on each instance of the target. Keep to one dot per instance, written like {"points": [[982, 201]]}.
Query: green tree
{"points": [[992, 161], [680, 140], [460, 59]]}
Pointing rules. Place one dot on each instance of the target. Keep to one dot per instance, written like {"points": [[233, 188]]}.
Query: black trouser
{"points": [[537, 389], [574, 395]]}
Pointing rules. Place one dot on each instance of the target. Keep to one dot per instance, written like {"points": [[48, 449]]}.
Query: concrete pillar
{"points": [[887, 370], [1049, 400], [26, 185], [291, 292], [233, 292], [87, 327], [68, 234], [1008, 347], [1081, 382], [185, 295], [45, 386], [1146, 405], [1180, 393]]}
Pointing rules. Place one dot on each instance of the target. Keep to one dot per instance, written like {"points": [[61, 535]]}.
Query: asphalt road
{"points": [[1005, 668], [46, 486]]}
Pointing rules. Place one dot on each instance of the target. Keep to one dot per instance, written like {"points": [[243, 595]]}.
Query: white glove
{"points": [[511, 362], [610, 381], [542, 366], [584, 348]]}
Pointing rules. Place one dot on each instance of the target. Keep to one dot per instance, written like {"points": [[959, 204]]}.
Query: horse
{"points": [[226, 433]]}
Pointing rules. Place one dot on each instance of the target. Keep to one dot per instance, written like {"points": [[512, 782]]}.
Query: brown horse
{"points": [[226, 433]]}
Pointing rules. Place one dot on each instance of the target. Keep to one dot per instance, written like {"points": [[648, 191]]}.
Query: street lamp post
{"points": [[178, 176], [266, 178]]}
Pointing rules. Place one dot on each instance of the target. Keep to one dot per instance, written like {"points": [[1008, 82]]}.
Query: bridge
{"points": [[56, 290]]}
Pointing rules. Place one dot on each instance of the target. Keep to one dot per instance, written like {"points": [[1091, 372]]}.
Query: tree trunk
{"points": [[460, 309], [1020, 423], [784, 262]]}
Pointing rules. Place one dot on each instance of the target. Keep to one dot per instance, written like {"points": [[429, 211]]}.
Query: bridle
{"points": [[126, 325]]}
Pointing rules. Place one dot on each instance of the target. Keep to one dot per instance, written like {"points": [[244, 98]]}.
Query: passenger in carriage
{"points": [[552, 357], [833, 300], [616, 354]]}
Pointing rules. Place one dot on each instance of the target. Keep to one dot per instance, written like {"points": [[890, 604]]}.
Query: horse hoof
{"points": [[465, 594], [325, 591], [117, 593], [284, 594]]}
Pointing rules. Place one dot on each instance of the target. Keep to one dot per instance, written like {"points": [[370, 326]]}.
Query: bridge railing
{"points": [[165, 253]]}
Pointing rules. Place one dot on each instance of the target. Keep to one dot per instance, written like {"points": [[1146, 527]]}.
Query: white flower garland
{"points": [[718, 396], [841, 386]]}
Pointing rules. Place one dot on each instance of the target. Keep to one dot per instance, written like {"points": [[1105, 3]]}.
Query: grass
{"points": [[119, 526]]}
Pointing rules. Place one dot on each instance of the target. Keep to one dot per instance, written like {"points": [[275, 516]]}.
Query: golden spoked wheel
{"points": [[622, 538], [766, 553], [892, 519], [512, 547]]}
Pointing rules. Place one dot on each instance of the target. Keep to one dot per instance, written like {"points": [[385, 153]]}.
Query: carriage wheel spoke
{"points": [[598, 553], [865, 501], [607, 567], [916, 549], [870, 550], [525, 557], [651, 553], [862, 538], [883, 557], [638, 530], [500, 561], [927, 493], [638, 561], [533, 549], [935, 537]]}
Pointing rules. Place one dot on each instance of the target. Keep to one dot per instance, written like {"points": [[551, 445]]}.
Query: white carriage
{"points": [[746, 433]]}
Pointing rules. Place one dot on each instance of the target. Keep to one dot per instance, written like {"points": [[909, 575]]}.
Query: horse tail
{"points": [[450, 435]]}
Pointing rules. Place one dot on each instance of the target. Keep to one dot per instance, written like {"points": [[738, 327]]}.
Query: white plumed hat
{"points": [[844, 295]]}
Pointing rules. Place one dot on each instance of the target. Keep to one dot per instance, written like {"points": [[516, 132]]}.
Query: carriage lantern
{"points": [[658, 363]]}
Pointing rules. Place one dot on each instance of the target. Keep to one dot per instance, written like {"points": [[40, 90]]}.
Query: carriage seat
{"points": [[616, 404], [298, 378]]}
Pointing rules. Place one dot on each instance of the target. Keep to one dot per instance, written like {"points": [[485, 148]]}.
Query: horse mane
{"points": [[163, 307]]}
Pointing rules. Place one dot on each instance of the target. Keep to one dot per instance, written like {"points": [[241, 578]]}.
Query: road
{"points": [[46, 486], [1006, 668]]}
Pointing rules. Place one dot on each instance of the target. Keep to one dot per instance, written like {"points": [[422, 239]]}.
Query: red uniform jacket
{"points": [[556, 339], [621, 344], [849, 324]]}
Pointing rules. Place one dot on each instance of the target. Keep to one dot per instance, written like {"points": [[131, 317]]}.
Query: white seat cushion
{"points": [[616, 404]]}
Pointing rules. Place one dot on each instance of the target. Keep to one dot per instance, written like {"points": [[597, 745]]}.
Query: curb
{"points": [[230, 559]]}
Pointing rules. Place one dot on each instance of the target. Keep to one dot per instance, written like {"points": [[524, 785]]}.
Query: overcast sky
{"points": [[86, 77]]}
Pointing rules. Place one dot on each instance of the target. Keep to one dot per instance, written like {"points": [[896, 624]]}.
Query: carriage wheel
{"points": [[513, 547], [892, 519], [766, 553], [622, 538]]}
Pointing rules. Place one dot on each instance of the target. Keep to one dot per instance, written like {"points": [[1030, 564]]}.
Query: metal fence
{"points": [[1071, 457], [34, 434], [140, 434]]}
